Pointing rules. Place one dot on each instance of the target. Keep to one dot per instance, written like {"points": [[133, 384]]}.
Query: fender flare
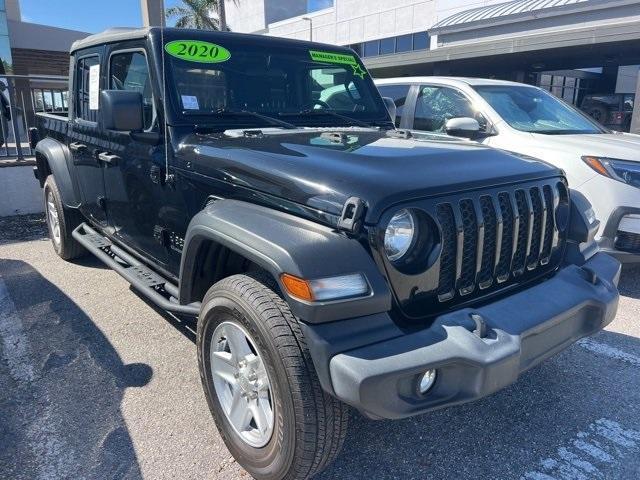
{"points": [[280, 243], [58, 159]]}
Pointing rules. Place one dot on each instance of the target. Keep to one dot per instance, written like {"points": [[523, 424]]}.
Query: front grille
{"points": [[488, 240], [476, 244], [628, 242]]}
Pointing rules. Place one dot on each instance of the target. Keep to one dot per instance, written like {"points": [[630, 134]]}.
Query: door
{"points": [[134, 170], [84, 134]]}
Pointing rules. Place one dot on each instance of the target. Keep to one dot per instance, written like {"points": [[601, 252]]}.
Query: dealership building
{"points": [[570, 47]]}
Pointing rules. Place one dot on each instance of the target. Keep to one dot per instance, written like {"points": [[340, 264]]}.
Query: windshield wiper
{"points": [[324, 111], [248, 113], [266, 118]]}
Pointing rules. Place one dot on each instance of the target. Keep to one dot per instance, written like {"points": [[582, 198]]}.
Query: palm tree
{"points": [[196, 14]]}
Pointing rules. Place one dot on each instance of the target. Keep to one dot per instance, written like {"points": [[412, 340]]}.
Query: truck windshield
{"points": [[533, 110], [288, 85]]}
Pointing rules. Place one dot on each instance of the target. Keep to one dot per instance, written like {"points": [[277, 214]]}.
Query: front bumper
{"points": [[621, 235], [522, 330]]}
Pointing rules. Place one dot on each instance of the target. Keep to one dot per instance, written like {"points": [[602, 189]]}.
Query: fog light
{"points": [[426, 381]]}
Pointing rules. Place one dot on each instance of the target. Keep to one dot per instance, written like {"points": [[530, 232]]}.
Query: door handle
{"points": [[77, 147], [108, 158]]}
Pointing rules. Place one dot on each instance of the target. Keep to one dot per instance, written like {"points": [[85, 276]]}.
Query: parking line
{"points": [[608, 351], [602, 444]]}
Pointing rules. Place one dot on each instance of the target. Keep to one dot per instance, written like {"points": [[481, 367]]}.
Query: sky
{"points": [[85, 15], [94, 16]]}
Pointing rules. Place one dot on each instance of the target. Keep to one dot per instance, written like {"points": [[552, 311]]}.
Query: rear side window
{"points": [[399, 95], [129, 71], [86, 104]]}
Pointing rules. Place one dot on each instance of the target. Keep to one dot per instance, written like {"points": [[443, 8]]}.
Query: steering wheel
{"points": [[322, 103]]}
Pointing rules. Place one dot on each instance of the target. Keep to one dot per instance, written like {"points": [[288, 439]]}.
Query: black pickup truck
{"points": [[329, 259]]}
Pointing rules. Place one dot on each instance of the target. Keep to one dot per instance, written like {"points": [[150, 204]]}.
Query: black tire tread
{"points": [[324, 432]]}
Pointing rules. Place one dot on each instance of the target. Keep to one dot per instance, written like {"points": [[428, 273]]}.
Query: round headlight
{"points": [[399, 235]]}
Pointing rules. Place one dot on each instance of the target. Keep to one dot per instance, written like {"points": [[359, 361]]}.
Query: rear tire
{"points": [[309, 426], [61, 222]]}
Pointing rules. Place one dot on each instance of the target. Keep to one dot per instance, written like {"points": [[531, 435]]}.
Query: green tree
{"points": [[197, 14]]}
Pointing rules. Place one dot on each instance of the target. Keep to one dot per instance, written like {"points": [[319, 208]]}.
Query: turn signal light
{"points": [[297, 287], [597, 165], [326, 289]]}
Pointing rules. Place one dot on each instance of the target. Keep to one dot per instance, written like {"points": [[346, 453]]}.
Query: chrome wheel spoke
{"points": [[52, 216], [262, 414], [237, 344], [239, 413], [224, 367]]}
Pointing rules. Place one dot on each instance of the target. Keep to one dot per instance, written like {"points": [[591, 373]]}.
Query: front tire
{"points": [[60, 222], [291, 429]]}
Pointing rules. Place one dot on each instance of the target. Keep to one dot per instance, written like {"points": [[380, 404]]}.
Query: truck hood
{"points": [[310, 168]]}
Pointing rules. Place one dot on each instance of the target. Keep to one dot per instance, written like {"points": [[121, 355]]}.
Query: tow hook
{"points": [[481, 326], [592, 276]]}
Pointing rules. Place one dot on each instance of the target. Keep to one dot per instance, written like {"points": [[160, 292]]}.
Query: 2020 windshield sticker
{"points": [[340, 58], [197, 51]]}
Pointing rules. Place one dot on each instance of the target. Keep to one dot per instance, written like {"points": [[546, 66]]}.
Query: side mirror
{"points": [[464, 127], [121, 110], [391, 107]]}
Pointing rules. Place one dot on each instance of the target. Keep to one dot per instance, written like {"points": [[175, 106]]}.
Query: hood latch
{"points": [[351, 216]]}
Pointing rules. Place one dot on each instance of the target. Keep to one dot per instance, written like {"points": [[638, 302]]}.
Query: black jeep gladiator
{"points": [[258, 184]]}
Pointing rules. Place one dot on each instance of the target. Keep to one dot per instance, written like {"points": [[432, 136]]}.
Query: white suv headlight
{"points": [[622, 170]]}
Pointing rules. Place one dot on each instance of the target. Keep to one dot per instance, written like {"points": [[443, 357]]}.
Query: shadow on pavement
{"points": [[62, 386], [509, 434]]}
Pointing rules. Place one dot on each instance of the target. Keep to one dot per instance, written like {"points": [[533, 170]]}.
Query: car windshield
{"points": [[284, 83], [533, 110]]}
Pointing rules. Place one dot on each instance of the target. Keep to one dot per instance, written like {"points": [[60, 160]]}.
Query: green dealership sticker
{"points": [[340, 58], [197, 51]]}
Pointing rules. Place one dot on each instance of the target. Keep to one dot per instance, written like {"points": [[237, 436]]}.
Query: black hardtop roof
{"points": [[122, 34]]}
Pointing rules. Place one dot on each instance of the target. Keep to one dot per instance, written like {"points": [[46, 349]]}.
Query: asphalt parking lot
{"points": [[96, 383]]}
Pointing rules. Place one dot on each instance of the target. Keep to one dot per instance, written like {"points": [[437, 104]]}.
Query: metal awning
{"points": [[514, 11]]}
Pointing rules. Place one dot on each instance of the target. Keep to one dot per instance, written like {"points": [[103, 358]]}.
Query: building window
{"points": [[371, 49], [420, 41], [404, 43], [387, 46], [570, 89], [390, 45], [315, 5], [357, 47]]}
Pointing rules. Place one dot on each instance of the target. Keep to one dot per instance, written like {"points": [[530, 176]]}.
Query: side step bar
{"points": [[153, 286]]}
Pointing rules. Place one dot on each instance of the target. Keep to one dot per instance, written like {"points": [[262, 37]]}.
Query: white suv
{"points": [[603, 165]]}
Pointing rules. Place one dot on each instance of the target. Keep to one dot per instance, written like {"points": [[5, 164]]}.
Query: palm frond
{"points": [[197, 14]]}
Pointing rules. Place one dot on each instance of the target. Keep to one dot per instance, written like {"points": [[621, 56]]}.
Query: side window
{"points": [[399, 95], [84, 104], [436, 105], [129, 71]]}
